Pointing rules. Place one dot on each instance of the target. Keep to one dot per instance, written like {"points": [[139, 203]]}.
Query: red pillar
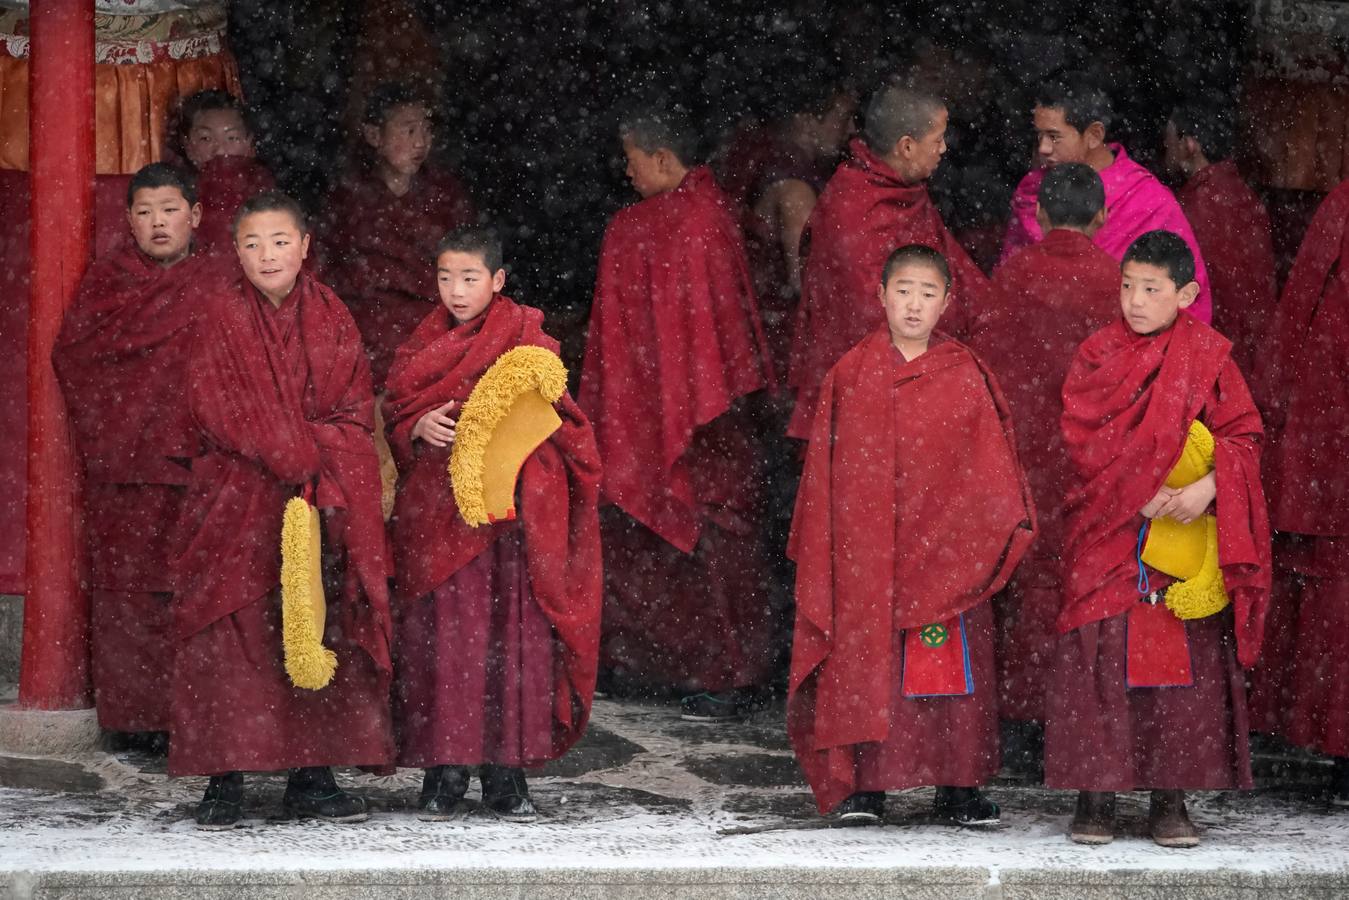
{"points": [[55, 664]]}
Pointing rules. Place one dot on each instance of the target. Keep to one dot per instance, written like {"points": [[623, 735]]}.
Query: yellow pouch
{"points": [[304, 610]]}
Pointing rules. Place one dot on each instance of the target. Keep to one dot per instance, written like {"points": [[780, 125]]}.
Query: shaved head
{"points": [[899, 111]]}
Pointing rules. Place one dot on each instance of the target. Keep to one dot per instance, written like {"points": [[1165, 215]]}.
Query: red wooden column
{"points": [[55, 664]]}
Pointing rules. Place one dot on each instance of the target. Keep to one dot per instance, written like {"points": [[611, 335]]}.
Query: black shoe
{"points": [[1339, 782], [505, 794], [724, 706], [222, 807], [862, 808], [442, 798], [312, 793], [964, 806]]}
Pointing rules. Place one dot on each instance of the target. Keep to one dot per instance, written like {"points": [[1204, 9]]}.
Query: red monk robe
{"points": [[1232, 228], [223, 184], [1045, 300], [1128, 402], [912, 510], [281, 398], [864, 213], [497, 626], [379, 253], [121, 358], [675, 345], [1301, 689]]}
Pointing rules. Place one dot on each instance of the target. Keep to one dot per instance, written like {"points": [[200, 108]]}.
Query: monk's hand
{"points": [[1153, 509], [436, 427], [1191, 501]]}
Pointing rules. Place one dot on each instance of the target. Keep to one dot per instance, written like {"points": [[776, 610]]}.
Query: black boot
{"points": [[312, 793], [1339, 782], [443, 789], [964, 806], [862, 808], [506, 794], [223, 805]]}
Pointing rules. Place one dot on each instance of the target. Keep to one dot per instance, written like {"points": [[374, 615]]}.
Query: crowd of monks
{"points": [[977, 479]]}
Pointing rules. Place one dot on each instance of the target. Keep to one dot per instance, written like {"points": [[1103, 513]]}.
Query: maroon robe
{"points": [[1045, 300], [675, 350], [223, 184], [282, 403], [1232, 228], [378, 253], [121, 358], [497, 626], [1128, 402]]}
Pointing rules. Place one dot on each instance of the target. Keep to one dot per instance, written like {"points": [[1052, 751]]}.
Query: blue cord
{"points": [[1144, 586]]}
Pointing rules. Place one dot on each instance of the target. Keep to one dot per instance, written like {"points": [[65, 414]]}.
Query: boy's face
{"points": [[404, 140], [1056, 140], [217, 132], [651, 173], [1149, 299], [465, 284], [914, 299], [162, 222], [271, 251]]}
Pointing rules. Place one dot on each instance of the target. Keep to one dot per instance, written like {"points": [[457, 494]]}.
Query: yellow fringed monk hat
{"points": [[304, 609], [1189, 552], [505, 419]]}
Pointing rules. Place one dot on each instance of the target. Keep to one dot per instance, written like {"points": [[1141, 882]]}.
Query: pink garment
{"points": [[1135, 203]]}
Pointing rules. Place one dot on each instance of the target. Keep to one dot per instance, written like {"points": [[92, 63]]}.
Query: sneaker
{"points": [[1339, 783], [964, 806], [442, 797], [1094, 820], [862, 808], [724, 706], [505, 794], [312, 793], [222, 807], [1169, 822]]}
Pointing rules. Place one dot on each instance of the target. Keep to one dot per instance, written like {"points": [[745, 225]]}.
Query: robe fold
{"points": [[1135, 203], [1232, 228], [912, 509], [1128, 402], [498, 626], [223, 184], [121, 358], [1045, 300], [378, 253], [675, 348], [281, 401], [864, 213]]}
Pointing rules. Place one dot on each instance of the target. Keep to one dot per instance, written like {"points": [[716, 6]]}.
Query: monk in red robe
{"points": [[1139, 696], [912, 513], [279, 391], [497, 626], [378, 233], [674, 354], [1301, 688], [215, 138], [121, 358], [1230, 223], [876, 201], [1045, 300]]}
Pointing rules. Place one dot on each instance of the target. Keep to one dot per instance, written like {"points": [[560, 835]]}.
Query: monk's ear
{"points": [[1094, 135], [304, 247], [880, 292], [373, 135], [1188, 294], [195, 214], [1191, 147], [498, 280], [1097, 222]]}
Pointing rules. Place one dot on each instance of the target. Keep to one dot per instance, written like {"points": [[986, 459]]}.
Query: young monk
{"points": [[213, 135], [912, 513], [1046, 299], [121, 359], [877, 200], [1229, 220], [497, 626], [1146, 690], [1072, 118], [674, 353], [1301, 688], [279, 391], [381, 223]]}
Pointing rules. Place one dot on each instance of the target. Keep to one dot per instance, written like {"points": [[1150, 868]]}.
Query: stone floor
{"points": [[647, 805]]}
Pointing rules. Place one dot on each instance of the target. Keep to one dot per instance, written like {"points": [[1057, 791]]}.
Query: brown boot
{"points": [[1094, 821], [1168, 821]]}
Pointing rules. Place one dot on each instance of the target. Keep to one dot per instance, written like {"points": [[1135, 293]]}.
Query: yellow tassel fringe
{"points": [[309, 664]]}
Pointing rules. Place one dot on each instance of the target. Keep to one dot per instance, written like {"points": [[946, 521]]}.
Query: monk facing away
{"points": [[1072, 117], [121, 358], [1166, 560], [279, 393], [912, 512], [497, 625], [674, 355]]}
